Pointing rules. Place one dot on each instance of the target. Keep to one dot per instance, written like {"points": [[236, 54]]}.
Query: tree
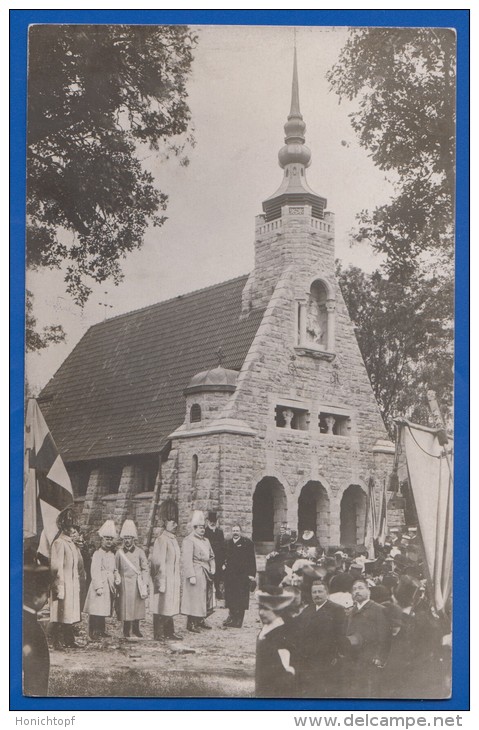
{"points": [[97, 94], [406, 344], [404, 82]]}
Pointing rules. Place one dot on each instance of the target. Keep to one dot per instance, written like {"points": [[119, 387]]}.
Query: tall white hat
{"points": [[128, 529], [108, 529], [198, 518]]}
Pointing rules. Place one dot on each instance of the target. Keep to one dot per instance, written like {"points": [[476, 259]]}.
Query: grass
{"points": [[134, 683]]}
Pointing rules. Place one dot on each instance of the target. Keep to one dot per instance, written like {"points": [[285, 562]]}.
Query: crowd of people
{"points": [[338, 623], [335, 623]]}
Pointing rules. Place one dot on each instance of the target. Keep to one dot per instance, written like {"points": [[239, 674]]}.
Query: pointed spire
{"points": [[295, 112], [294, 157]]}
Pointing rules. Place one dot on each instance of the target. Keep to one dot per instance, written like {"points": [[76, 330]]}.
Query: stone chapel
{"points": [[249, 398]]}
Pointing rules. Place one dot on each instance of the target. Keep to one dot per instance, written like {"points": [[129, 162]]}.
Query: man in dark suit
{"points": [[239, 573], [36, 657], [318, 635], [217, 542], [369, 638]]}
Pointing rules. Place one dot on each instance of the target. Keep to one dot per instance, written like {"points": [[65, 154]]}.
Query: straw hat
{"points": [[276, 598]]}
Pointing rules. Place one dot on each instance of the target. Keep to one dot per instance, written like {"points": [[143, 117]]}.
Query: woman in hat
{"points": [[198, 558], [104, 581], [165, 574], [275, 673], [132, 567]]}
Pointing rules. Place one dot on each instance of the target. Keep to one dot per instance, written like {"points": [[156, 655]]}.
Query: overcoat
{"points": [[130, 604], [217, 542], [199, 562], [165, 574], [240, 562], [372, 640], [65, 594], [103, 575], [319, 637]]}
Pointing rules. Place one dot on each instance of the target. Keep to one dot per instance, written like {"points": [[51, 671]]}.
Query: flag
{"points": [[430, 477], [382, 528], [47, 486], [371, 532]]}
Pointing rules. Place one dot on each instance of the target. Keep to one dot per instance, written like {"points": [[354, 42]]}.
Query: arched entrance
{"points": [[269, 511], [313, 511], [353, 516]]}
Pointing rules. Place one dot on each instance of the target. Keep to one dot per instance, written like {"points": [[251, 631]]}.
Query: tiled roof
{"points": [[120, 391]]}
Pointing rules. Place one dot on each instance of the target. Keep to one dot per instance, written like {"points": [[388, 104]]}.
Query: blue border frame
{"points": [[457, 19]]}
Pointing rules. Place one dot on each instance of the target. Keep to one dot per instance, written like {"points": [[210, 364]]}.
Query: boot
{"points": [[126, 629], [191, 625], [69, 637], [158, 628], [136, 628], [169, 629], [57, 635]]}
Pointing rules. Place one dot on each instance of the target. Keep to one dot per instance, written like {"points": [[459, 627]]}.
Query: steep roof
{"points": [[120, 391]]}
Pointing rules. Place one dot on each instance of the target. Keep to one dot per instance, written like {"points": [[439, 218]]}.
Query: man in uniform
{"points": [[239, 574], [104, 582], [132, 567], [66, 565]]}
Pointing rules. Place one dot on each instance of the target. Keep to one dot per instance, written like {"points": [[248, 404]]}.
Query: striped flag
{"points": [[371, 520], [47, 486]]}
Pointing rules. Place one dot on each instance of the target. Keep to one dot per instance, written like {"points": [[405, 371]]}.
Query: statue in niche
{"points": [[288, 416], [316, 322], [330, 421]]}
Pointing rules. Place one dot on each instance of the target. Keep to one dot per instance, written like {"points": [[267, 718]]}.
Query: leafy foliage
{"points": [[404, 82], [405, 340], [96, 95], [37, 340]]}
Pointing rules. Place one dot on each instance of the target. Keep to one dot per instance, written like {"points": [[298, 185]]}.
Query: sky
{"points": [[239, 96]]}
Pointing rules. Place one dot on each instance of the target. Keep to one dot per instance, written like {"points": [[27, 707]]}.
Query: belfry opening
{"points": [[269, 511], [313, 511], [353, 516]]}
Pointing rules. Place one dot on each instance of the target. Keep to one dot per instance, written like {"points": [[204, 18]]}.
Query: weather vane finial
{"points": [[220, 356]]}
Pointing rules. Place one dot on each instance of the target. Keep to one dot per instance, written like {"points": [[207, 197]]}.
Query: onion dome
{"points": [[217, 380]]}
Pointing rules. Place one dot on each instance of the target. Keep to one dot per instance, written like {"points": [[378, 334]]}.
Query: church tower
{"points": [[296, 231], [298, 437]]}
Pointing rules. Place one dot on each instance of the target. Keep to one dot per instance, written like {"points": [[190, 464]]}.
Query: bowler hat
{"points": [[276, 598], [212, 517]]}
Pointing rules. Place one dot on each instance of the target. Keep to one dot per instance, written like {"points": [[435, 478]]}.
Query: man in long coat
{"points": [[197, 600], [65, 565], [217, 541], [239, 572], [104, 582], [319, 636], [132, 567], [165, 575], [369, 636]]}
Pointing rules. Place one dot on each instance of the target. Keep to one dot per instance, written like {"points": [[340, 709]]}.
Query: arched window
{"points": [[195, 413]]}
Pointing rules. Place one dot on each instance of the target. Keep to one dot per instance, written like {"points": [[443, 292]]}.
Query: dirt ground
{"points": [[219, 662]]}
